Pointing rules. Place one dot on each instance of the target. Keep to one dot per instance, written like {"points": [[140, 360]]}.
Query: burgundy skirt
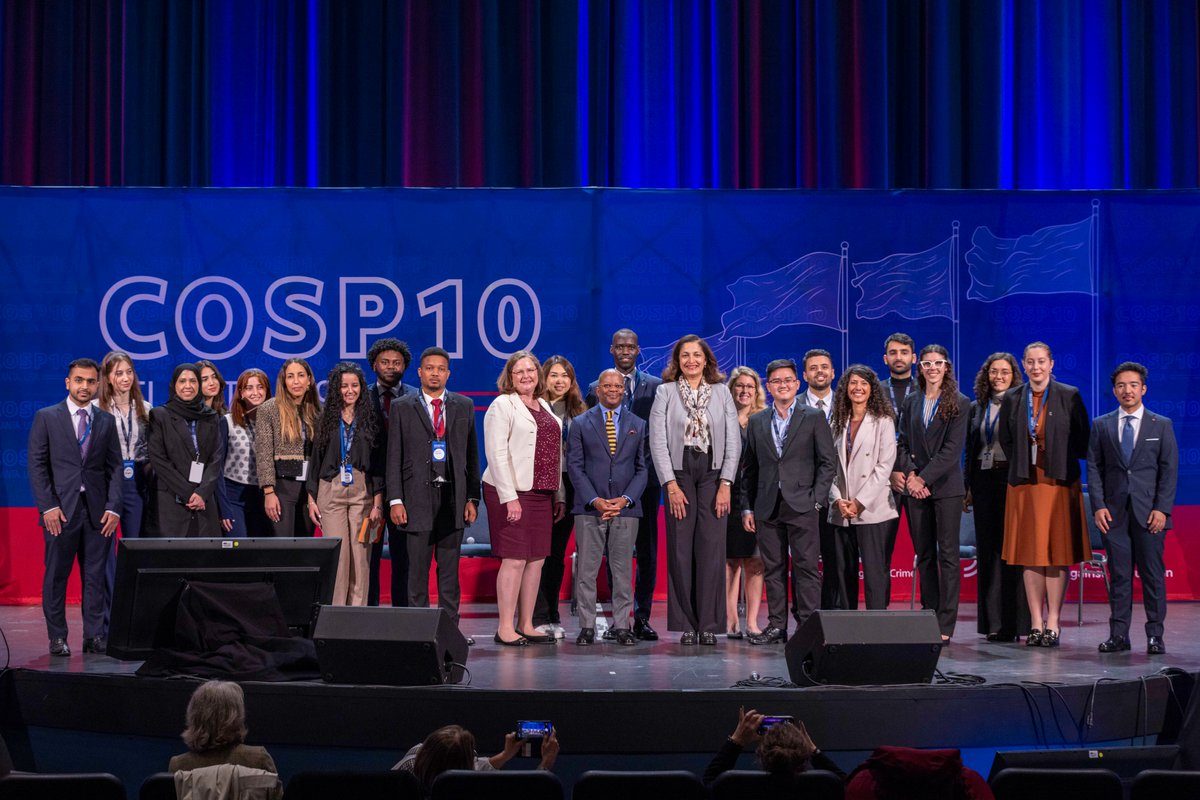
{"points": [[527, 539]]}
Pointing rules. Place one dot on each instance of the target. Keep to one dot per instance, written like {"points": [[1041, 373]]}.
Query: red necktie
{"points": [[439, 424]]}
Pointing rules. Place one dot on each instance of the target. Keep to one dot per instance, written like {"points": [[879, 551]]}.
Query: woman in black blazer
{"points": [[185, 449], [1003, 613], [933, 429]]}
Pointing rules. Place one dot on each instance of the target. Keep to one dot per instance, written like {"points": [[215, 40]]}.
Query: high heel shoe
{"points": [[1049, 638], [1034, 639]]}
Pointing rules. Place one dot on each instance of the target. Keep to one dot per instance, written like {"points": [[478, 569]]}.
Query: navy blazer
{"points": [[594, 472], [56, 472], [644, 387], [934, 453], [410, 457], [1147, 483], [803, 474], [1065, 429]]}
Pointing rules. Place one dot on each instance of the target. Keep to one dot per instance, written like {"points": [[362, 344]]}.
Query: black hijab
{"points": [[190, 410]]}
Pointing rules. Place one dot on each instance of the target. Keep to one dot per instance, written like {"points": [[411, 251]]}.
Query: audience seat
{"points": [[658, 785], [1165, 784], [159, 786], [1060, 784], [466, 784], [86, 786], [739, 784], [388, 785]]}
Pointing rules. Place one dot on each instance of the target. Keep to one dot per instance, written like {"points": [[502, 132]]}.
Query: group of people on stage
{"points": [[821, 474]]}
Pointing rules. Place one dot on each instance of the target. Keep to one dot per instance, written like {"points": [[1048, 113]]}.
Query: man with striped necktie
{"points": [[606, 460]]}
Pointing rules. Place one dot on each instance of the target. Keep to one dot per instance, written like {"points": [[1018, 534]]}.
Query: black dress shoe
{"points": [[1003, 638], [610, 634], [708, 638], [734, 635], [58, 647], [771, 635], [688, 638], [587, 636], [95, 645], [643, 631], [520, 641], [1155, 646], [537, 638], [1114, 644], [626, 637]]}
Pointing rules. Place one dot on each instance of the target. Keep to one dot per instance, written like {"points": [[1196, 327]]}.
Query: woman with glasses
{"points": [[1044, 431], [741, 547], [1003, 615], [933, 430]]}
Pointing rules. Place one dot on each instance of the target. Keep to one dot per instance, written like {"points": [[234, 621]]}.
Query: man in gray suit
{"points": [[75, 473], [606, 460], [1132, 467], [432, 479], [789, 466], [640, 388]]}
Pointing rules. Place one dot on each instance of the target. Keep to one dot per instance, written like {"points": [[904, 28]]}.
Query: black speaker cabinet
{"points": [[389, 646], [865, 648]]}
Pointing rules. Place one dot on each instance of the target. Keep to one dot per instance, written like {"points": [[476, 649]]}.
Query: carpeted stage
{"points": [[652, 706]]}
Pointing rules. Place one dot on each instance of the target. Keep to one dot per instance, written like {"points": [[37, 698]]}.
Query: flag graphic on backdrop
{"points": [[805, 292], [1052, 260], [912, 285]]}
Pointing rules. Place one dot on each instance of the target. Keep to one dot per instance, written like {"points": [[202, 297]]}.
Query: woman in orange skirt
{"points": [[1044, 431]]}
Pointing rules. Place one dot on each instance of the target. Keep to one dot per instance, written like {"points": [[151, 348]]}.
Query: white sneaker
{"points": [[559, 632], [547, 630]]}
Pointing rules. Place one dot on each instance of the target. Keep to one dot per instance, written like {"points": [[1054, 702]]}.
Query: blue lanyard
{"points": [[989, 428], [1033, 423], [127, 433], [347, 440], [933, 411], [195, 442]]}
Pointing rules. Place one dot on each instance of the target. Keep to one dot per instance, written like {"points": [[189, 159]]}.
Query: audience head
{"points": [[450, 747], [785, 749], [216, 717]]}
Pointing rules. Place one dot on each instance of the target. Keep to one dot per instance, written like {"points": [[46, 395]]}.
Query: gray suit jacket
{"points": [[410, 457], [1145, 484], [803, 474], [595, 472], [56, 472], [668, 419]]}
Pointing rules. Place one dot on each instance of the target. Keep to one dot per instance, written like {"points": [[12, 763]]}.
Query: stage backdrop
{"points": [[250, 277]]}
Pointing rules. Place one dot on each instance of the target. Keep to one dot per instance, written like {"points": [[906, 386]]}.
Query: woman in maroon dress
{"points": [[522, 440]]}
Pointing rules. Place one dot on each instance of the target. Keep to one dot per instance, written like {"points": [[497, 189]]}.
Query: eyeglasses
{"points": [[782, 382], [932, 364]]}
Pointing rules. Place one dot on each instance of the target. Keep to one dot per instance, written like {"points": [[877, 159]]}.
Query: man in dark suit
{"points": [[432, 480], [819, 375], [899, 354], [75, 472], [1132, 467], [639, 398], [389, 358], [789, 466], [607, 462]]}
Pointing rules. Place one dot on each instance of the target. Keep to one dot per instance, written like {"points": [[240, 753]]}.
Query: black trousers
{"points": [[1130, 543], [293, 509], [790, 532], [893, 530], [833, 581], [696, 552], [934, 523], [868, 543], [397, 540], [81, 540], [646, 551], [1001, 602], [445, 540], [545, 605]]}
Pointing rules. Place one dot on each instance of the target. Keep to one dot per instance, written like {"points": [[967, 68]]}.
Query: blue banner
{"points": [[250, 277]]}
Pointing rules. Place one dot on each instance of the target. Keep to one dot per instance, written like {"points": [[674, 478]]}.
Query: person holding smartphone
{"points": [[784, 748], [453, 747]]}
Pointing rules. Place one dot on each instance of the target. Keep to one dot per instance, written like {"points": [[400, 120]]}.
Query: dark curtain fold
{"points": [[680, 93]]}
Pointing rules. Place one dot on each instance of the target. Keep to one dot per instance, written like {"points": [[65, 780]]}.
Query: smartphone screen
{"points": [[769, 721], [533, 728]]}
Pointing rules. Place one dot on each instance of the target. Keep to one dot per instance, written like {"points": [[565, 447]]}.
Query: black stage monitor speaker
{"points": [[865, 648], [389, 646]]}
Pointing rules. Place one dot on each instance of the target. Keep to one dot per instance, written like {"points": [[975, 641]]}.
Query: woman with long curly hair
{"points": [[933, 430], [282, 444], [860, 501], [561, 391], [345, 478], [1003, 613]]}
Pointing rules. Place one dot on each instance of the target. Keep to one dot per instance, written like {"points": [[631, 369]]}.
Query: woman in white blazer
{"points": [[695, 442], [860, 501], [522, 487]]}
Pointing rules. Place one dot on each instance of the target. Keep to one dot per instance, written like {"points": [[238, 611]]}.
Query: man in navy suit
{"points": [[389, 358], [639, 398], [75, 473], [607, 463], [789, 465], [1132, 466]]}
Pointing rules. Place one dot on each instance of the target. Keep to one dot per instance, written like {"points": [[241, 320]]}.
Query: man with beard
{"points": [[819, 375], [899, 354]]}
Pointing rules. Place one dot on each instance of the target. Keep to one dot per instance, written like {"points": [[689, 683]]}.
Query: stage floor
{"points": [[666, 665]]}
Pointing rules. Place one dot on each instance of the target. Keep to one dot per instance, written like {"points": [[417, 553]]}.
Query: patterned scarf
{"points": [[695, 402]]}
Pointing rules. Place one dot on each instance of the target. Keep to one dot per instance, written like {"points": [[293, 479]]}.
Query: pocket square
{"points": [[1155, 439]]}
